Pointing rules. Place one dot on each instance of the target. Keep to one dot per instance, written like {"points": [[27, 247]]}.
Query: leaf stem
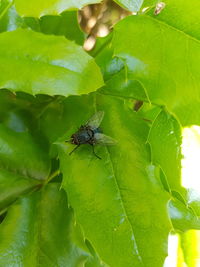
{"points": [[6, 9], [54, 174]]}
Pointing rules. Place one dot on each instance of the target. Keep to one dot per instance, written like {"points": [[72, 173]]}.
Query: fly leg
{"points": [[74, 149], [94, 151]]}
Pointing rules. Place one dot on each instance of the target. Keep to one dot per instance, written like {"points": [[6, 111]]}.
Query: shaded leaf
{"points": [[20, 154], [12, 186], [116, 199], [32, 235], [45, 64], [65, 24], [9, 19]]}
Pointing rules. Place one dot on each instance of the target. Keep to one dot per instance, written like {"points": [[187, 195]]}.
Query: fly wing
{"points": [[103, 139], [95, 120]]}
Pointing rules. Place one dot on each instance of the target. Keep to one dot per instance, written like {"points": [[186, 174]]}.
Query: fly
{"points": [[91, 134]]}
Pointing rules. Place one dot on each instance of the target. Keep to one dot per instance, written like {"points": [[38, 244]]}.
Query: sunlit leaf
{"points": [[183, 217], [165, 141], [36, 8], [45, 64], [135, 5], [181, 15], [190, 242], [164, 60], [116, 199]]}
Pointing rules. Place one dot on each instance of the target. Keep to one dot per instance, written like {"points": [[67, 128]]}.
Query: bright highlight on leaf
{"points": [[41, 64], [191, 156], [171, 259], [38, 8]]}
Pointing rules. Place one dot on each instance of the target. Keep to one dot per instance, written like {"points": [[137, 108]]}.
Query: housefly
{"points": [[91, 134]]}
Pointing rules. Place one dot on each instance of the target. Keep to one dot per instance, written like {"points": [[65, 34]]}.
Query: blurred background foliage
{"points": [[98, 20]]}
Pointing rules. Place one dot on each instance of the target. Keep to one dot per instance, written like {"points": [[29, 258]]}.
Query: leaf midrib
{"points": [[123, 206], [172, 27]]}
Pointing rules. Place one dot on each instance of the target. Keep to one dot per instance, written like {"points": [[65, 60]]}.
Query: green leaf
{"points": [[39, 230], [12, 186], [36, 8], [4, 6], [181, 15], [65, 24], [9, 19], [103, 53], [148, 111], [93, 261], [118, 85], [190, 245], [20, 154], [115, 73], [183, 217], [164, 60], [40, 64], [150, 3], [134, 5], [23, 151], [116, 199], [165, 141]]}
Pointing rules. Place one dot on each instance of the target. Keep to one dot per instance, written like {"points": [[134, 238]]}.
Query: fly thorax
{"points": [[83, 136]]}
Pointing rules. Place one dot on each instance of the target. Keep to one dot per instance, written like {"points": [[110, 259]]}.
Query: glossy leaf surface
{"points": [[165, 141], [190, 243], [183, 217], [37, 8], [135, 5], [19, 153], [46, 64], [115, 199], [181, 15], [32, 235], [65, 24], [12, 186], [165, 74]]}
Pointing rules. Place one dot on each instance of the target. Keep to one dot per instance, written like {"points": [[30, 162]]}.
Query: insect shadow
{"points": [[91, 134]]}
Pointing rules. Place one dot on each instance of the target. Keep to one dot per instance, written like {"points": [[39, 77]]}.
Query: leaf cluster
{"points": [[61, 210]]}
